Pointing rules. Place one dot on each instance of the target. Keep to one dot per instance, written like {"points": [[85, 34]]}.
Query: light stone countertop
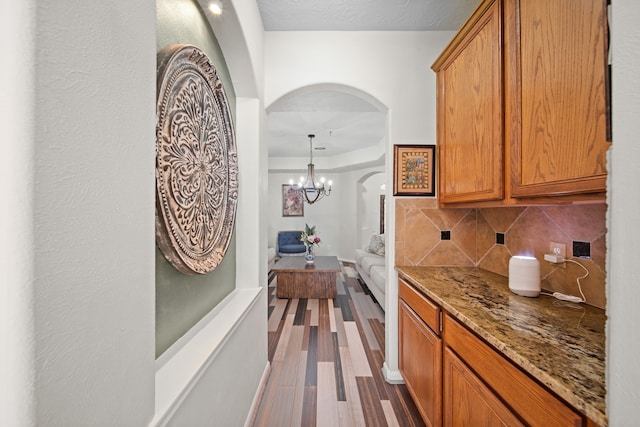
{"points": [[561, 344]]}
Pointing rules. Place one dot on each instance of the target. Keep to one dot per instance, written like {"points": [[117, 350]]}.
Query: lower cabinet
{"points": [[531, 402], [467, 398], [456, 378], [420, 351]]}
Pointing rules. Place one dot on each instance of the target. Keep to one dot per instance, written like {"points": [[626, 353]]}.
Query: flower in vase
{"points": [[309, 236]]}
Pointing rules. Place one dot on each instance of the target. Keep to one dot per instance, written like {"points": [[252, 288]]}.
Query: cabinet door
{"points": [[468, 401], [470, 113], [420, 352], [532, 402], [556, 96]]}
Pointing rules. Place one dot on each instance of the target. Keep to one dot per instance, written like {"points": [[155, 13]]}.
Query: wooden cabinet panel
{"points": [[420, 357], [427, 310], [533, 403], [555, 86], [470, 113], [468, 401], [522, 104]]}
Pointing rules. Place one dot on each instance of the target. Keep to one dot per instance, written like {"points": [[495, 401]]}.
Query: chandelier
{"points": [[311, 189]]}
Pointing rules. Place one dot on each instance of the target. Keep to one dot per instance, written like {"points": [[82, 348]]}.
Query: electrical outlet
{"points": [[558, 249], [582, 249]]}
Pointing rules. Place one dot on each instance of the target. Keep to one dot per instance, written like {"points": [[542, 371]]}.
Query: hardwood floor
{"points": [[326, 357]]}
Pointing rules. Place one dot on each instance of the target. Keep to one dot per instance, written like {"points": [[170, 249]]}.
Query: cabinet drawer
{"points": [[533, 403], [428, 311]]}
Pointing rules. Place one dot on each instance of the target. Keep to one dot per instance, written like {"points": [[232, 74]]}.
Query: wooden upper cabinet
{"points": [[522, 98], [469, 110], [556, 96]]}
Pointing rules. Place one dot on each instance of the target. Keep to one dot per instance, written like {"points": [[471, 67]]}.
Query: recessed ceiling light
{"points": [[215, 7]]}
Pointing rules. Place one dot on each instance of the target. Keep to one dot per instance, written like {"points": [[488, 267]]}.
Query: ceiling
{"points": [[340, 122], [364, 15], [343, 122]]}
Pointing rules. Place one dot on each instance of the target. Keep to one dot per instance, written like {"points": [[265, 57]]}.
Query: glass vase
{"points": [[308, 256]]}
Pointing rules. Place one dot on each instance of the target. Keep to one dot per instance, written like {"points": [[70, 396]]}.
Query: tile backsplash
{"points": [[475, 234]]}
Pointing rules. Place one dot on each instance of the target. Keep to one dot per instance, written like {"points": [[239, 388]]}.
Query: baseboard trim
{"points": [[391, 376], [255, 405]]}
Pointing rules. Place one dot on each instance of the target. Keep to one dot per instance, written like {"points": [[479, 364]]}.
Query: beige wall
{"points": [[527, 231]]}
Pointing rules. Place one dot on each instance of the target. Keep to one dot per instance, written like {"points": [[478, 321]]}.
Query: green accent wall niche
{"points": [[181, 300]]}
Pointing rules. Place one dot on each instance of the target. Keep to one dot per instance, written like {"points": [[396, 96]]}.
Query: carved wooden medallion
{"points": [[196, 162]]}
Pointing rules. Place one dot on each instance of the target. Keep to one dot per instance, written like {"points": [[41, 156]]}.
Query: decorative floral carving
{"points": [[196, 162]]}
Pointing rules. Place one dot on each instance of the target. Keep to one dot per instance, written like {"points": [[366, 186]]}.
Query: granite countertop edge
{"points": [[557, 385]]}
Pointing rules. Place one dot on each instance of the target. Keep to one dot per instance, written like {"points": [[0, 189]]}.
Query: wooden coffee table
{"points": [[297, 279]]}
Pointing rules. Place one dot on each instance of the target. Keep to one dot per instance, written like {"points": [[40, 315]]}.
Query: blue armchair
{"points": [[289, 243]]}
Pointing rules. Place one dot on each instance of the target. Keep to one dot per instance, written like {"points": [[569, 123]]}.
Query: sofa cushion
{"points": [[291, 249], [361, 253], [369, 261], [376, 244], [377, 275]]}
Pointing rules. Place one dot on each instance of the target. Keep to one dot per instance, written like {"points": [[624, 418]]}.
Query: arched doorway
{"points": [[350, 128]]}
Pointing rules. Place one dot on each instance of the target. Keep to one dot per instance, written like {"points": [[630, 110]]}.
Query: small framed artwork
{"points": [[414, 170], [292, 203]]}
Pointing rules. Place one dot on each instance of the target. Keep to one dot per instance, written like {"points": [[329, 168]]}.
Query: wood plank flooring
{"points": [[326, 357]]}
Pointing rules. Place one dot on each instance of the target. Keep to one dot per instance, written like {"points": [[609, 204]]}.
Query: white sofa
{"points": [[370, 264]]}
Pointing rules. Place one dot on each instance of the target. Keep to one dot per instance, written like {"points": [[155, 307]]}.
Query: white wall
{"points": [[77, 315], [356, 200], [623, 292], [336, 216], [393, 68], [16, 215], [88, 236], [369, 212], [324, 214]]}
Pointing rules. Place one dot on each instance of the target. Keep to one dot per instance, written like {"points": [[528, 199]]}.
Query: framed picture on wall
{"points": [[414, 170], [292, 203]]}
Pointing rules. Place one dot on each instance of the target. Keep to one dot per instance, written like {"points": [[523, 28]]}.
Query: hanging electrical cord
{"points": [[572, 298]]}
